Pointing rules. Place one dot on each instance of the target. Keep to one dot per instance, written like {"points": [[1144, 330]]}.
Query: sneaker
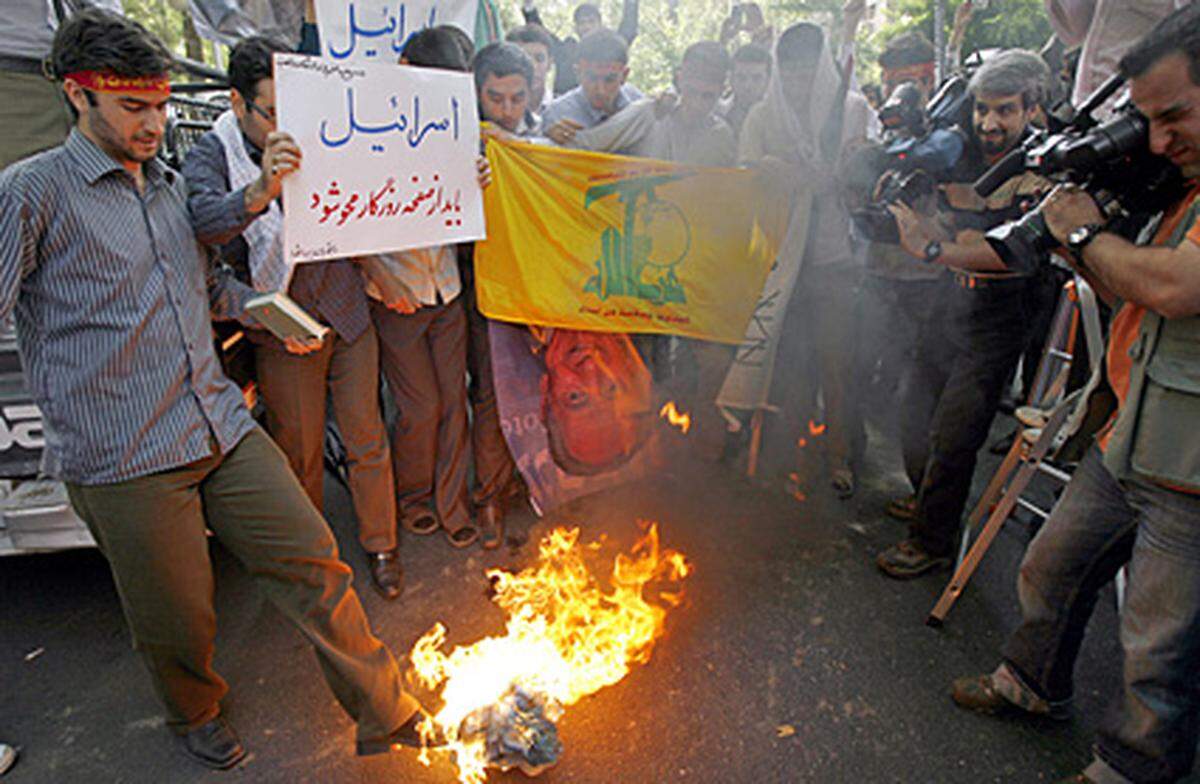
{"points": [[908, 559]]}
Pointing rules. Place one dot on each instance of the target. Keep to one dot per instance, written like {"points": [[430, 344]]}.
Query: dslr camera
{"points": [[1111, 161]]}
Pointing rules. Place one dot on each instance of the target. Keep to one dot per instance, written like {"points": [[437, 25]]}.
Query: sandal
{"points": [[903, 508], [842, 480], [424, 524], [463, 537]]}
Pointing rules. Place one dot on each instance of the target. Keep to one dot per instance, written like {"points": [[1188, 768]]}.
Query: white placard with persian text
{"points": [[376, 30], [389, 156]]}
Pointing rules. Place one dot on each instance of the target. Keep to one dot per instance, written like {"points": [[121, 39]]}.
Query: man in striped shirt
{"points": [[109, 285]]}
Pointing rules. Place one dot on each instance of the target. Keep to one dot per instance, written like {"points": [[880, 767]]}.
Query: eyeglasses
{"points": [[269, 116]]}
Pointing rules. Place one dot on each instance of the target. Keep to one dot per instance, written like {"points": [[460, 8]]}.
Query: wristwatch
{"points": [[932, 251], [1081, 237]]}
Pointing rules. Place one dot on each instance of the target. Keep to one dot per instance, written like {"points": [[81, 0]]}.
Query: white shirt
{"points": [[431, 274]]}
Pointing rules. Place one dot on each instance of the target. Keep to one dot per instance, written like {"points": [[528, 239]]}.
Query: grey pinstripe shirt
{"points": [[113, 317]]}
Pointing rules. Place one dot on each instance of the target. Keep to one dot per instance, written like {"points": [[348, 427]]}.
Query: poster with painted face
{"points": [[578, 410]]}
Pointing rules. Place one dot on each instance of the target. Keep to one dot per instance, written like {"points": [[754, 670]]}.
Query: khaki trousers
{"points": [[294, 389], [423, 356], [33, 115], [152, 531]]}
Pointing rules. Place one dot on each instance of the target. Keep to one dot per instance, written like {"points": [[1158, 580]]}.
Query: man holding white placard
{"points": [[234, 176]]}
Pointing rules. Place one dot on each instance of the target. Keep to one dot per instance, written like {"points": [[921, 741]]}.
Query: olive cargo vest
{"points": [[1157, 433]]}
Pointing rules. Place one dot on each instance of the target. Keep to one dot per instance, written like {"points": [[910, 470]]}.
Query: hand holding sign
{"points": [[281, 157], [389, 158]]}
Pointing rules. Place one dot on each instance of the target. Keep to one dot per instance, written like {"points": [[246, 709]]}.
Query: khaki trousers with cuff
{"points": [[152, 531]]}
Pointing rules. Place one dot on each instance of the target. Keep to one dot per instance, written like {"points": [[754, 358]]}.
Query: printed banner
{"points": [[389, 158], [588, 241], [375, 31], [577, 409]]}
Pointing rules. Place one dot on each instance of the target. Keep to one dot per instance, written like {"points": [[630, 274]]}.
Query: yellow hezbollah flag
{"points": [[588, 241]]}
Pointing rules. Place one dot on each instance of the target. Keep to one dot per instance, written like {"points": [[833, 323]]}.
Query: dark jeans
{"points": [[994, 332], [1149, 733], [152, 531], [924, 308], [424, 359]]}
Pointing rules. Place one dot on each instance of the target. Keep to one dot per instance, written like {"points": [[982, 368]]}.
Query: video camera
{"points": [[1111, 161], [922, 145]]}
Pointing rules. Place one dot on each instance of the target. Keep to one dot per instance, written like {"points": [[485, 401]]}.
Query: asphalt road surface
{"points": [[791, 660]]}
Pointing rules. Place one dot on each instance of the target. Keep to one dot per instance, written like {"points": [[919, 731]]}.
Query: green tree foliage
{"points": [[1003, 24], [164, 18]]}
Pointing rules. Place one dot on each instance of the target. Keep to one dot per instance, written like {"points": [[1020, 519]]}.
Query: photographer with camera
{"points": [[988, 311], [905, 319], [1135, 497]]}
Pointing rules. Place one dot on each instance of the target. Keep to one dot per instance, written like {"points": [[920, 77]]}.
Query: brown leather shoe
{"points": [[490, 521], [976, 693], [386, 573], [214, 745]]}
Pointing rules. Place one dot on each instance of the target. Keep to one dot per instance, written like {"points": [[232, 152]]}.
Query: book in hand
{"points": [[280, 314]]}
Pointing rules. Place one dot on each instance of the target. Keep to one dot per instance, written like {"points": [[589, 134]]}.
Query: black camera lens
{"points": [[1022, 244]]}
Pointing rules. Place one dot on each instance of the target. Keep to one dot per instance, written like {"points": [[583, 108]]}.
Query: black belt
{"points": [[28, 65]]}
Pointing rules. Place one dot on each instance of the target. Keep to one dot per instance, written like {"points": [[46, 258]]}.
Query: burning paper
{"points": [[566, 637]]}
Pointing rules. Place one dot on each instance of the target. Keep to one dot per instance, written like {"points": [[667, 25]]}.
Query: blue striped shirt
{"points": [[109, 287]]}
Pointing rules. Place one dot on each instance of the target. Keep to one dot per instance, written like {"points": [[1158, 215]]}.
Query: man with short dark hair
{"points": [[537, 45], [909, 57], [587, 20], [990, 313], [603, 68], [234, 176], [422, 331], [503, 78], [154, 443], [1135, 496], [748, 84], [503, 74]]}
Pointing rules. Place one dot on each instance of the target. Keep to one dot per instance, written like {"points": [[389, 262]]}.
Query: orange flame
{"points": [[565, 636], [815, 428], [683, 421]]}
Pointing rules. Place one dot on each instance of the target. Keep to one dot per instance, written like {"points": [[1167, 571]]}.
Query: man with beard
{"points": [[154, 443], [990, 312], [1135, 496]]}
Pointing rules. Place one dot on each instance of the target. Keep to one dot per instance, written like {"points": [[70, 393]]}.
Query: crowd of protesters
{"points": [[115, 332]]}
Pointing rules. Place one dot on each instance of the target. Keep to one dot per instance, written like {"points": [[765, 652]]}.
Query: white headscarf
{"points": [[803, 128]]}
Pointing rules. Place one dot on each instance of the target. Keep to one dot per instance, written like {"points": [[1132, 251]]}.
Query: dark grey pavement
{"points": [[792, 660]]}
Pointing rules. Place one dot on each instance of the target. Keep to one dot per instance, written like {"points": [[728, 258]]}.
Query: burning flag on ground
{"points": [[566, 637]]}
